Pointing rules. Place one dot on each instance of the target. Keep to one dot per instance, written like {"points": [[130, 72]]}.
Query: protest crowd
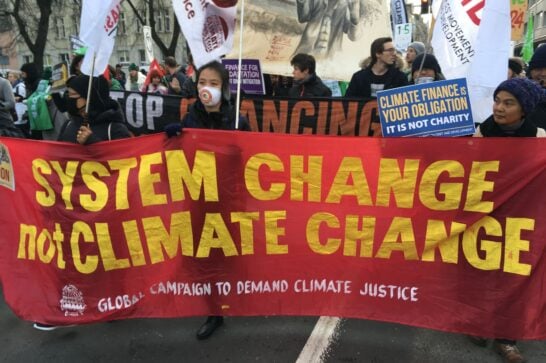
{"points": [[84, 111]]}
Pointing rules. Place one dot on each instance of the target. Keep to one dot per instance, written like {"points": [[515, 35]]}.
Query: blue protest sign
{"points": [[439, 108]]}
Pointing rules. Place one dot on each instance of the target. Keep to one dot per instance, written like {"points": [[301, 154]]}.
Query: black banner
{"points": [[147, 113]]}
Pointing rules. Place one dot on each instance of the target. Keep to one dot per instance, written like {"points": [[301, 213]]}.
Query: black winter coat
{"points": [[108, 125], [199, 118], [360, 85], [313, 87]]}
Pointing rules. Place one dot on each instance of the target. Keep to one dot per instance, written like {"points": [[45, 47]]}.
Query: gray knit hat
{"points": [[418, 47]]}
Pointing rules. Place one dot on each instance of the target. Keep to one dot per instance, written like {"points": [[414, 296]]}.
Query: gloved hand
{"points": [[173, 129]]}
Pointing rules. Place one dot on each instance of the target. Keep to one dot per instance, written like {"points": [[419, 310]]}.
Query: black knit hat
{"points": [[32, 71], [430, 63], [515, 66], [100, 91], [539, 59], [527, 92]]}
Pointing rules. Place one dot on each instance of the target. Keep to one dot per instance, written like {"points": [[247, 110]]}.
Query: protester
{"points": [[537, 73], [211, 110], [76, 64], [189, 89], [430, 70], [513, 100], [155, 86], [280, 85], [120, 75], [306, 82], [136, 79], [31, 76], [113, 83], [413, 50], [381, 74], [19, 92], [515, 68], [7, 103], [175, 76], [104, 121]]}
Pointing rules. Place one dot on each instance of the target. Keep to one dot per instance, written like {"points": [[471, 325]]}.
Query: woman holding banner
{"points": [[513, 100], [213, 110]]}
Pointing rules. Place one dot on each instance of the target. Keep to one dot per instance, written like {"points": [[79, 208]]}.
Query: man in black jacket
{"points": [[306, 82], [380, 75]]}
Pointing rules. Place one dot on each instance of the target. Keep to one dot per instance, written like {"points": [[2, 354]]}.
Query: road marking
{"points": [[324, 333]]}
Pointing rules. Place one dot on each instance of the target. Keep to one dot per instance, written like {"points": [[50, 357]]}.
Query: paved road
{"points": [[240, 340]]}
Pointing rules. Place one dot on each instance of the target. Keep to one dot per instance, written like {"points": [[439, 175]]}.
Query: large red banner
{"points": [[437, 233]]}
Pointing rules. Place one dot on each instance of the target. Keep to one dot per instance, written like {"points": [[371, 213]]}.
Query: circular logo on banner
{"points": [[205, 96], [215, 33], [225, 3]]}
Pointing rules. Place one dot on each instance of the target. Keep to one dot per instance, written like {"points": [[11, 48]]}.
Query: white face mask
{"points": [[210, 96]]}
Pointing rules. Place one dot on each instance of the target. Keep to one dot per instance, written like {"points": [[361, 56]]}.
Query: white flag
{"points": [[148, 42], [398, 13], [471, 40], [98, 28], [208, 26]]}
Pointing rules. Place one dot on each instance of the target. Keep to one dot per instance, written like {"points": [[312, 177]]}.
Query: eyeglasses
{"points": [[390, 50]]}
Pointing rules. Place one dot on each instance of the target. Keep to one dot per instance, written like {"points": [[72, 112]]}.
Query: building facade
{"points": [[129, 46]]}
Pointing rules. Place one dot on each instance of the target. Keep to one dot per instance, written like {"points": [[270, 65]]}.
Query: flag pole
{"points": [[90, 84], [239, 65]]}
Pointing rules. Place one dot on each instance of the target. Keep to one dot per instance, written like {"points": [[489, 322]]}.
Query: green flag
{"points": [[527, 50]]}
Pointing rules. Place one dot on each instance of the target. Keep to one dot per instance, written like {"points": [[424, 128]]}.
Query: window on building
{"points": [[159, 21], [47, 60], [123, 56], [59, 28], [142, 55], [64, 57], [122, 28], [167, 21], [144, 13], [27, 59]]}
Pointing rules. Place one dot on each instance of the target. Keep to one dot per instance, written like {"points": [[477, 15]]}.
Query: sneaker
{"points": [[509, 352], [47, 327], [479, 341]]}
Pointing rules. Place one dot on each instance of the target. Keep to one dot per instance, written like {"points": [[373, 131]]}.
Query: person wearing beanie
{"points": [[104, 120], [537, 73], [537, 66], [136, 79], [513, 100], [515, 67], [430, 71], [31, 76], [414, 49]]}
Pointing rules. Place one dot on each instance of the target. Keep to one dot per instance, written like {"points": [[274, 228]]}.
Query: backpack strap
{"points": [[110, 131]]}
